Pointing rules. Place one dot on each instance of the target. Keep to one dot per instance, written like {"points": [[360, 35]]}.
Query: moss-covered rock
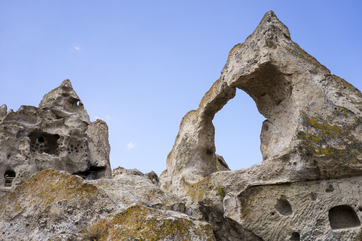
{"points": [[142, 223], [55, 205]]}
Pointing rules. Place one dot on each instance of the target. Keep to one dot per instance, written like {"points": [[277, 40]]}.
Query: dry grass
{"points": [[97, 231]]}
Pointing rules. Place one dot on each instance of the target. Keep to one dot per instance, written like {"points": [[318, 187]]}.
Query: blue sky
{"points": [[142, 65]]}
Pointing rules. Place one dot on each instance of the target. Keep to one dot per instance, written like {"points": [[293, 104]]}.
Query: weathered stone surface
{"points": [[308, 186], [51, 203], [311, 136], [130, 186], [304, 210], [312, 116], [119, 172], [142, 223], [58, 206], [56, 135]]}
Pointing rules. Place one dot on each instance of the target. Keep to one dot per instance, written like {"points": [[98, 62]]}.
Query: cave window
{"points": [[9, 176], [283, 206], [342, 217], [41, 142]]}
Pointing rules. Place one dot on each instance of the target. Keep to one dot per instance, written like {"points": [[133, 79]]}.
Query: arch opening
{"points": [[237, 132], [271, 92]]}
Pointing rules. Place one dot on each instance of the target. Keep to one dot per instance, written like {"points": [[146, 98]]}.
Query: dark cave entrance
{"points": [[9, 176]]}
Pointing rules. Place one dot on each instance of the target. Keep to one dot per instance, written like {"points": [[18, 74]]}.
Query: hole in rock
{"points": [[92, 173], [9, 176], [44, 142], [330, 188], [237, 132], [283, 206], [341, 217], [295, 236]]}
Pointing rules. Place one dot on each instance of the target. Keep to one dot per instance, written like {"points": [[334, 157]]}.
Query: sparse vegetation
{"points": [[96, 231], [221, 191]]}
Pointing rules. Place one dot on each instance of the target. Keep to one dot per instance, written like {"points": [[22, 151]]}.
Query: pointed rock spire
{"points": [[63, 100], [313, 118]]}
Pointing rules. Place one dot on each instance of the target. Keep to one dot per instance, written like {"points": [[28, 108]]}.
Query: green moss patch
{"points": [[141, 223]]}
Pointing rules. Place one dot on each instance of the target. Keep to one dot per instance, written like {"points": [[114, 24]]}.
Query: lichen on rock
{"points": [[312, 133], [306, 188]]}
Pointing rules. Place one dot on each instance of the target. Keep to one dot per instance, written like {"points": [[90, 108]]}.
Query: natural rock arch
{"points": [[305, 107]]}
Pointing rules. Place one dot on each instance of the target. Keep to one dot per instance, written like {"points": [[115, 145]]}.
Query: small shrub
{"points": [[96, 231], [221, 191]]}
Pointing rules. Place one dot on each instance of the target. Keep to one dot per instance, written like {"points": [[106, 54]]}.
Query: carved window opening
{"points": [[237, 132], [283, 206], [9, 176], [342, 217], [41, 142]]}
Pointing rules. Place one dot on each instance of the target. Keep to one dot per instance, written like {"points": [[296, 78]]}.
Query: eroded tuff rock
{"points": [[311, 139], [58, 134], [54, 205]]}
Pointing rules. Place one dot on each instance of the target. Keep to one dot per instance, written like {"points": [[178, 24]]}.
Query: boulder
{"points": [[311, 138], [120, 171], [51, 203], [54, 205], [58, 134]]}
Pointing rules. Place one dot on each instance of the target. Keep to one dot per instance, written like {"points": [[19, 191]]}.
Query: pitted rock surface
{"points": [[58, 134], [311, 136], [308, 186], [54, 205]]}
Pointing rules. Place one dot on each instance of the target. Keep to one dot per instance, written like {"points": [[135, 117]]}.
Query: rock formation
{"points": [[308, 186], [310, 141], [58, 135], [55, 205]]}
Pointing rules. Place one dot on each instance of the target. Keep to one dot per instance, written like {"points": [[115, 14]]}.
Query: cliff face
{"points": [[308, 186], [58, 135]]}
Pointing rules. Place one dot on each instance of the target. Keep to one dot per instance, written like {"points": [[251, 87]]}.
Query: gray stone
{"points": [[308, 186], [53, 205], [58, 134], [311, 136], [120, 171]]}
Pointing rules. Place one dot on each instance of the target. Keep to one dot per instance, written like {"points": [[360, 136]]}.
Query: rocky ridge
{"points": [[308, 186]]}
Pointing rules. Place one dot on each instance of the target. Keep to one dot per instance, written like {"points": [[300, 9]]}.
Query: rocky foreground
{"points": [[56, 180]]}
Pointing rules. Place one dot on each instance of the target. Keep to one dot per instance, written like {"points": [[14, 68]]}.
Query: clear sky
{"points": [[142, 65]]}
